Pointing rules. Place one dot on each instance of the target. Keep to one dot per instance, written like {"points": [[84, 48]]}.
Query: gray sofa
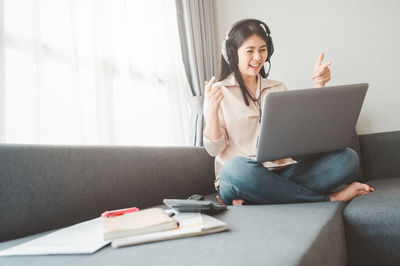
{"points": [[43, 188]]}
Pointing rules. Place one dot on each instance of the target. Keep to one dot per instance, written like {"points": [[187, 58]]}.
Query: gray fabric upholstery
{"points": [[372, 225], [381, 155], [329, 248], [289, 234], [47, 187]]}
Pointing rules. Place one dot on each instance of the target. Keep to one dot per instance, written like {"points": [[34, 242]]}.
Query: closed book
{"points": [[190, 224], [137, 223]]}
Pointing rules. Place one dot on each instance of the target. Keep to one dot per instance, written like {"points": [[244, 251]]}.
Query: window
{"points": [[93, 72]]}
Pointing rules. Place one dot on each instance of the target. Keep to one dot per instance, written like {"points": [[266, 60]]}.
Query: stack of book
{"points": [[155, 224]]}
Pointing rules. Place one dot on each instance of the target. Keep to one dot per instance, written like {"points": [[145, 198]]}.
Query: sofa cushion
{"points": [[287, 234], [372, 224]]}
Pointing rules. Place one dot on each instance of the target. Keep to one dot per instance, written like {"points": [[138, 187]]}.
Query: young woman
{"points": [[232, 109]]}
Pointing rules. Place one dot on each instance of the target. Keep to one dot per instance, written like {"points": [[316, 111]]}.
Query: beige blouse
{"points": [[240, 125]]}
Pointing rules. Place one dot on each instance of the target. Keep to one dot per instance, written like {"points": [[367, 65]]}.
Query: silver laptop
{"points": [[309, 121]]}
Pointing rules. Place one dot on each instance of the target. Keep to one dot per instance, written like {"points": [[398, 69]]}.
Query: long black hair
{"points": [[239, 33]]}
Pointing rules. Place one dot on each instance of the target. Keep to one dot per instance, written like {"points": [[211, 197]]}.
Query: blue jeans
{"points": [[309, 180]]}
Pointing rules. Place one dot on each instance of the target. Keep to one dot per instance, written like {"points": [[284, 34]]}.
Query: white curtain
{"points": [[93, 72], [196, 24]]}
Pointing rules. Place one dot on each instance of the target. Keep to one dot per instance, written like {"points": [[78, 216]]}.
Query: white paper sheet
{"points": [[82, 238]]}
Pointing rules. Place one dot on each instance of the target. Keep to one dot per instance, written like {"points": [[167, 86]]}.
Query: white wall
{"points": [[2, 76], [361, 37]]}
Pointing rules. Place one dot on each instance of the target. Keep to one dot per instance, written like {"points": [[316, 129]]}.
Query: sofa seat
{"points": [[372, 225], [288, 234]]}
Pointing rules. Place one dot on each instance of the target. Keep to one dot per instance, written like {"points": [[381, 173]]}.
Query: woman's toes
{"points": [[237, 202], [363, 187]]}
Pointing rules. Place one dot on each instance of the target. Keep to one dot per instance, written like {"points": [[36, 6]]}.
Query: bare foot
{"points": [[237, 202], [351, 191]]}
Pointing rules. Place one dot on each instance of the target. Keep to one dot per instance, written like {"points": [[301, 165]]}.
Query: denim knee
{"points": [[232, 168], [231, 178], [351, 161]]}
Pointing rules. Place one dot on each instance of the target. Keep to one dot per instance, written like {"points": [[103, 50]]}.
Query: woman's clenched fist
{"points": [[213, 95]]}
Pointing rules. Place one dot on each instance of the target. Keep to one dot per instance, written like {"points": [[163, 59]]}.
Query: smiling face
{"points": [[251, 56]]}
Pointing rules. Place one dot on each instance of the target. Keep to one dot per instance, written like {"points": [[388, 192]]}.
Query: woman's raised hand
{"points": [[321, 72], [213, 95]]}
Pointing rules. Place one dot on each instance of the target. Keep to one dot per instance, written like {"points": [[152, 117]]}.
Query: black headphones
{"points": [[270, 45]]}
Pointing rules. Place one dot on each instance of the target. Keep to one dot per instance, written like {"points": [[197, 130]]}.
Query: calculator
{"points": [[184, 205]]}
